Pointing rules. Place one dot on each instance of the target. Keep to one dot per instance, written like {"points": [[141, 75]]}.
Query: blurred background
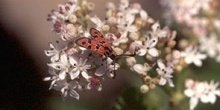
{"points": [[24, 35]]}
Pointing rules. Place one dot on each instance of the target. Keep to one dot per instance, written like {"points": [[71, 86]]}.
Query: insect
{"points": [[97, 43]]}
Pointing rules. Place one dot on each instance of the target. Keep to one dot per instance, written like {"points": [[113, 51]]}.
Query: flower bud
{"points": [[144, 88], [72, 18]]}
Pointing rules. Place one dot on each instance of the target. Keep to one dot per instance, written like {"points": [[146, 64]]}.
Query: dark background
{"points": [[21, 87]]}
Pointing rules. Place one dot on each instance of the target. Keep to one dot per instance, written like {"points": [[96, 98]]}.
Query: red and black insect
{"points": [[97, 43]]}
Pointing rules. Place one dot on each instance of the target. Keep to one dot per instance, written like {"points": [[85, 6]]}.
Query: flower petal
{"points": [[198, 62], [162, 81], [193, 103], [153, 52], [143, 15], [56, 65], [139, 68], [100, 71], [62, 75], [160, 64], [189, 92], [132, 28], [74, 94], [85, 75], [74, 73], [170, 82]]}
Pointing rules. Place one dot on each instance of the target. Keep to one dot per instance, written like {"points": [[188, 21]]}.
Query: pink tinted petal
{"points": [[189, 83]]}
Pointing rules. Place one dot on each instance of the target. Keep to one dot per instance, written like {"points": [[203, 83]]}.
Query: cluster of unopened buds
{"points": [[93, 47]]}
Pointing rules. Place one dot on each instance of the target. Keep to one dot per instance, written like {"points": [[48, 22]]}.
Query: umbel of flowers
{"points": [[149, 49]]}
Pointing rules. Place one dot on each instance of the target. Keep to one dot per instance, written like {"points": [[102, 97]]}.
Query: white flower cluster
{"points": [[69, 68], [73, 68], [126, 31], [201, 91]]}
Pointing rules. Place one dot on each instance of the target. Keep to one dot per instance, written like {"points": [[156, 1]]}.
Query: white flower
{"points": [[141, 69], [125, 23], [149, 46], [94, 82], [210, 92], [108, 67], [62, 65], [194, 91], [116, 40], [67, 9], [123, 5], [137, 9], [137, 47], [79, 67], [67, 88], [53, 78], [53, 53], [131, 61], [203, 91], [208, 45], [96, 20], [165, 73], [192, 55], [157, 32], [143, 48], [68, 32]]}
